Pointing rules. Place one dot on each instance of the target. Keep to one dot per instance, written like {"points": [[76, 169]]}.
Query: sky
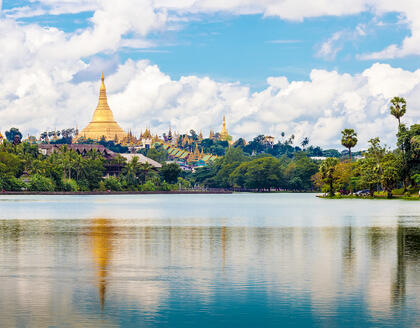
{"points": [[305, 68]]}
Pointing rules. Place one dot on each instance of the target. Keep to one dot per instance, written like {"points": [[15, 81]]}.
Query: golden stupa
{"points": [[224, 135], [103, 123]]}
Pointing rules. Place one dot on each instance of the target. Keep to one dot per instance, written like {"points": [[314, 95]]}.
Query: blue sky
{"points": [[249, 48], [243, 48]]}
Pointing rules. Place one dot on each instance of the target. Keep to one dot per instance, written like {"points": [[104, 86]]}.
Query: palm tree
{"points": [[304, 142], [144, 169], [398, 108], [131, 170], [349, 139], [78, 165], [327, 170]]}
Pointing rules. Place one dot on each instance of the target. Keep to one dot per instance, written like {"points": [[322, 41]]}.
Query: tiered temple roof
{"points": [[190, 157]]}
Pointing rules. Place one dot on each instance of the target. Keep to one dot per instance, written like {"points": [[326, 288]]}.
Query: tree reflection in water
{"points": [[159, 271]]}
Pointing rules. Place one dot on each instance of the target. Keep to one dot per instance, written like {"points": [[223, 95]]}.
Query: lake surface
{"points": [[240, 260]]}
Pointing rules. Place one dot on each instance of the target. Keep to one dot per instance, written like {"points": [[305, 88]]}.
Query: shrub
{"points": [[148, 186], [69, 185], [84, 185], [112, 183], [184, 184], [102, 186], [11, 183], [38, 182], [164, 186]]}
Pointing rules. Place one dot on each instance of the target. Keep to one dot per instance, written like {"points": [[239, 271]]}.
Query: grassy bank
{"points": [[403, 197]]}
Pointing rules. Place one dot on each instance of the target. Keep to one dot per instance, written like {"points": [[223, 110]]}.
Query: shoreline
{"points": [[394, 197], [53, 193]]}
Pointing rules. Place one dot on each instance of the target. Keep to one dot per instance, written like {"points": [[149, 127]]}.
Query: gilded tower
{"points": [[224, 135], [103, 123]]}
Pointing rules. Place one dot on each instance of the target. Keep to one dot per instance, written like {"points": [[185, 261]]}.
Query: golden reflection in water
{"points": [[377, 266], [102, 244]]}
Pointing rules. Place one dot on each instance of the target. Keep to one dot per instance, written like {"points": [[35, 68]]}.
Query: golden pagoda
{"points": [[103, 123], [224, 135]]}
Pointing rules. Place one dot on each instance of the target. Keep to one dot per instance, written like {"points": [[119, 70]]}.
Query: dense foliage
{"points": [[23, 167], [381, 170], [263, 172]]}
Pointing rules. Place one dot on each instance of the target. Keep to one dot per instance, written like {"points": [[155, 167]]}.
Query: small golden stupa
{"points": [[103, 123], [224, 135]]}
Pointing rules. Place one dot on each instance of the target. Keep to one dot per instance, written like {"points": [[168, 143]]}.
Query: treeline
{"points": [[381, 170], [262, 172], [260, 144], [22, 167]]}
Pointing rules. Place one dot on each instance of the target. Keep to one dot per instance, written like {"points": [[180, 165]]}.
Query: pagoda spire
{"points": [[224, 135], [103, 123]]}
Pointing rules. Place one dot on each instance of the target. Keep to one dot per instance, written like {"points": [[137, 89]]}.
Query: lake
{"points": [[239, 260]]}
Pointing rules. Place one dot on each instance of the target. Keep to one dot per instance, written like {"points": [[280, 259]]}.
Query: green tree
{"points": [[10, 164], [327, 170], [398, 108], [12, 134], [390, 173], [349, 139], [343, 174], [112, 183], [158, 154], [170, 172], [148, 186], [261, 173], [131, 171], [369, 173], [408, 143], [301, 167], [304, 142], [40, 183]]}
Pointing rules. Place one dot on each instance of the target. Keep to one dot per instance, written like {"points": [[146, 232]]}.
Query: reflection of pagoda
{"points": [[103, 124], [101, 236]]}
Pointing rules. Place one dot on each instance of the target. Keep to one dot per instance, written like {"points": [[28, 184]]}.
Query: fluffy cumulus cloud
{"points": [[42, 69], [141, 96]]}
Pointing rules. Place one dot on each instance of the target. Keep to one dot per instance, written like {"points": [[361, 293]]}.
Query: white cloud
{"points": [[331, 47], [36, 97], [38, 88]]}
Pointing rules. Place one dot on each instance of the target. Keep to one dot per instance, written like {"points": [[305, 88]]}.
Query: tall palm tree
{"points": [[304, 142], [398, 108], [349, 139]]}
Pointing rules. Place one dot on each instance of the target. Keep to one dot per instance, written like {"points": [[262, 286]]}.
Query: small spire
{"points": [[102, 77]]}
